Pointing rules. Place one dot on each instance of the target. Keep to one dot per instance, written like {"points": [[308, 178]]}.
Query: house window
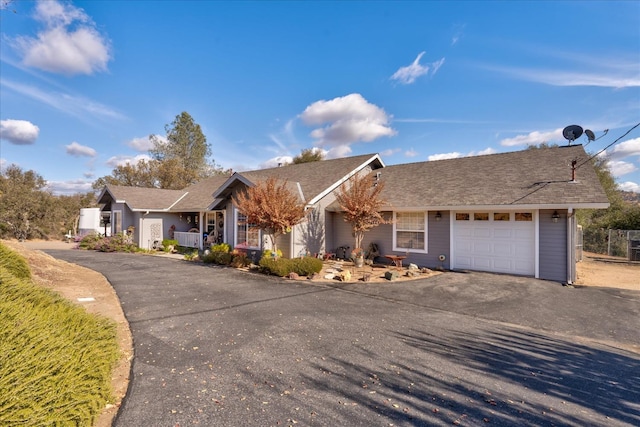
{"points": [[481, 216], [116, 221], [247, 235], [524, 216], [410, 231], [501, 216], [462, 217]]}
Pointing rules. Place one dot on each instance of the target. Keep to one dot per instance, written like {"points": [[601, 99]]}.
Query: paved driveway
{"points": [[221, 347]]}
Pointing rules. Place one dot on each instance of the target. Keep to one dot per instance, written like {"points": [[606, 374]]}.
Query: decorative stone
{"points": [[391, 275], [413, 266], [345, 276], [293, 276], [329, 276], [426, 271], [412, 273], [314, 276]]}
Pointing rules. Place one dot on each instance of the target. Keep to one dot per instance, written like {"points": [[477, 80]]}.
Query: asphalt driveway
{"points": [[216, 346]]}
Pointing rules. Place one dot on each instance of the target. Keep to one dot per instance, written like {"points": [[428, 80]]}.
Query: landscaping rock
{"points": [[413, 266], [391, 275], [345, 276], [329, 276], [293, 276]]}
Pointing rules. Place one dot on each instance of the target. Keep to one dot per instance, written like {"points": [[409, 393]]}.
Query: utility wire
{"points": [[601, 151]]}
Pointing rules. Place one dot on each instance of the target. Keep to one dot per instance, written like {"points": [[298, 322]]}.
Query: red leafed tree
{"points": [[272, 207], [361, 204]]}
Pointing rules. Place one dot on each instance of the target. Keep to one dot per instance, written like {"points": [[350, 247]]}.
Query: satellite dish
{"points": [[590, 135], [572, 132]]}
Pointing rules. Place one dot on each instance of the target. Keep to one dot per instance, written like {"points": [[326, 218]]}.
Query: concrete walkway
{"points": [[214, 346]]}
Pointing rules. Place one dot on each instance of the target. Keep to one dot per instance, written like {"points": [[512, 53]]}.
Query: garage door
{"points": [[501, 242]]}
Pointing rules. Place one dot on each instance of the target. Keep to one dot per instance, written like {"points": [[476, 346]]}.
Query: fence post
{"points": [[609, 243]]}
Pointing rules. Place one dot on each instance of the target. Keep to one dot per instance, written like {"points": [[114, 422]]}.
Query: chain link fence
{"points": [[617, 243]]}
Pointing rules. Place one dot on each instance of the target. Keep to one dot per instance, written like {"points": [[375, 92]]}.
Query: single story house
{"points": [[508, 213]]}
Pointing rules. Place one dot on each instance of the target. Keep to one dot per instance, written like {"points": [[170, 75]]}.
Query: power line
{"points": [[601, 151]]}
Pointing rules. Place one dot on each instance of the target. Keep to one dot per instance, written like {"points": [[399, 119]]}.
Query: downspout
{"points": [[571, 249]]}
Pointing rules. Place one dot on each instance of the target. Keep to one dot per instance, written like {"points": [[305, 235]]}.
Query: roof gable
{"points": [[140, 198], [311, 180]]}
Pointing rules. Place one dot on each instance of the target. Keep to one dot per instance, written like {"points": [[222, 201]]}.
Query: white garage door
{"points": [[501, 242]]}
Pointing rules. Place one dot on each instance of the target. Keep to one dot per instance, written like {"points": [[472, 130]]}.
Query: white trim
{"points": [[536, 243], [337, 184], [498, 207], [235, 232], [426, 234]]}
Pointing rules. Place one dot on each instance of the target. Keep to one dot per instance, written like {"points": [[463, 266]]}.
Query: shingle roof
{"points": [[138, 198], [200, 195], [534, 176], [315, 177]]}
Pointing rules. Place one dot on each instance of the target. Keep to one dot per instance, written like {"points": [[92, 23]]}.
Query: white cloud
{"points": [[78, 150], [533, 138], [60, 188], [436, 66], [19, 132], [630, 186], [69, 43], [619, 168], [124, 160], [624, 149], [144, 144], [455, 154], [390, 151], [484, 152], [348, 119], [409, 74], [73, 105], [615, 76], [338, 152], [411, 153], [275, 162], [444, 156], [3, 164]]}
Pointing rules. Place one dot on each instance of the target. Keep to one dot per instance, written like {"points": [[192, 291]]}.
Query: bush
{"points": [[240, 259], [55, 358], [221, 247], [221, 258], [167, 244], [14, 263], [278, 267], [283, 266], [307, 266], [268, 253], [118, 243]]}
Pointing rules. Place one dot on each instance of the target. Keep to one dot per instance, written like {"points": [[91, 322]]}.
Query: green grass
{"points": [[55, 358]]}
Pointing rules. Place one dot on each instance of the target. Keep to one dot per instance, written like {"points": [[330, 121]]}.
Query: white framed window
{"points": [[116, 221], [247, 235], [410, 231]]}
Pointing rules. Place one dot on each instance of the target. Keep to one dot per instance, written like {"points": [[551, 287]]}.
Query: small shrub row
{"points": [[221, 255], [283, 266], [118, 243]]}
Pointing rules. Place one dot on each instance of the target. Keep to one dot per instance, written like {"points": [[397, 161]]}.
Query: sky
{"points": [[83, 84]]}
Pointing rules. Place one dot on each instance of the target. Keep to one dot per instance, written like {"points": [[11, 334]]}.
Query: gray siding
{"points": [[438, 241], [553, 246]]}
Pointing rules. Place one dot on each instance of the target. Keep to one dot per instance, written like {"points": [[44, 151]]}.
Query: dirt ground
{"points": [[78, 283]]}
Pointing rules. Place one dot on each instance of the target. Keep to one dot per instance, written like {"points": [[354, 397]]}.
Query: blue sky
{"points": [[83, 84]]}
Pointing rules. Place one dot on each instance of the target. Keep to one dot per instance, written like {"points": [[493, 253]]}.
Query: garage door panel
{"points": [[482, 232], [498, 246]]}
